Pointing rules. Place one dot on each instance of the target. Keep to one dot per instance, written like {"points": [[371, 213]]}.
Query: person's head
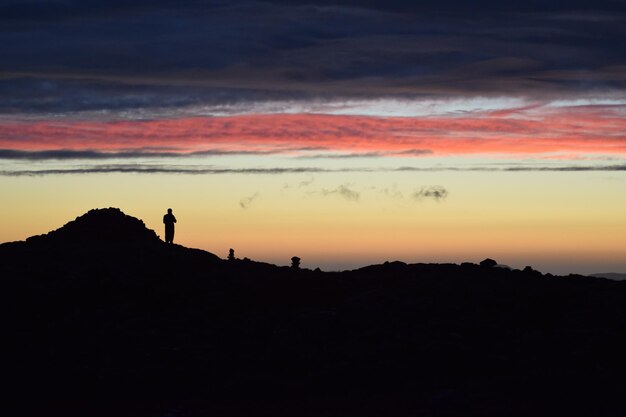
{"points": [[169, 211]]}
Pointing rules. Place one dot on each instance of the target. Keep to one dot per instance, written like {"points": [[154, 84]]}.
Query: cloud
{"points": [[151, 152], [158, 169], [301, 184], [414, 152], [344, 155], [344, 191], [62, 56], [390, 192], [68, 154], [373, 154], [435, 192], [534, 131], [245, 203], [306, 183]]}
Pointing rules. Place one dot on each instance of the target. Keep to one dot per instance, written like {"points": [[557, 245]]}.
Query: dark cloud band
{"points": [[195, 170], [66, 56], [66, 154]]}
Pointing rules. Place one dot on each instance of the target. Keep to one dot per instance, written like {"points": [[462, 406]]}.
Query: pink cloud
{"points": [[527, 131]]}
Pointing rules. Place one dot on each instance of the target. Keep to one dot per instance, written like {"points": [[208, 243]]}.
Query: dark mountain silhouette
{"points": [[102, 318]]}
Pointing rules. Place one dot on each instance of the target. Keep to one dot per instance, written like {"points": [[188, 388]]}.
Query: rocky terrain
{"points": [[101, 318]]}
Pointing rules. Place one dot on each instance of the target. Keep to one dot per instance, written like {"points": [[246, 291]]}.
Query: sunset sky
{"points": [[346, 133]]}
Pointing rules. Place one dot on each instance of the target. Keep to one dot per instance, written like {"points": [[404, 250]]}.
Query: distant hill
{"points": [[610, 275], [101, 318]]}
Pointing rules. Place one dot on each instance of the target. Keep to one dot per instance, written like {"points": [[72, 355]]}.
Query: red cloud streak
{"points": [[573, 131]]}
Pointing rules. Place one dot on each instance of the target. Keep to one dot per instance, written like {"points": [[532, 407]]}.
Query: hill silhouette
{"points": [[102, 318], [109, 225]]}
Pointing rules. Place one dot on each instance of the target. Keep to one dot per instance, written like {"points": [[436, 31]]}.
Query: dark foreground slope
{"points": [[101, 318]]}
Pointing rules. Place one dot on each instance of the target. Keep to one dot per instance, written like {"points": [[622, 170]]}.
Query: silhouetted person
{"points": [[169, 221]]}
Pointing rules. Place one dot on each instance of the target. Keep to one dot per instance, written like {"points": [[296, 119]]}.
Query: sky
{"points": [[345, 133]]}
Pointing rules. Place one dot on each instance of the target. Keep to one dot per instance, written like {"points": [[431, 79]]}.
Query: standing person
{"points": [[169, 221]]}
